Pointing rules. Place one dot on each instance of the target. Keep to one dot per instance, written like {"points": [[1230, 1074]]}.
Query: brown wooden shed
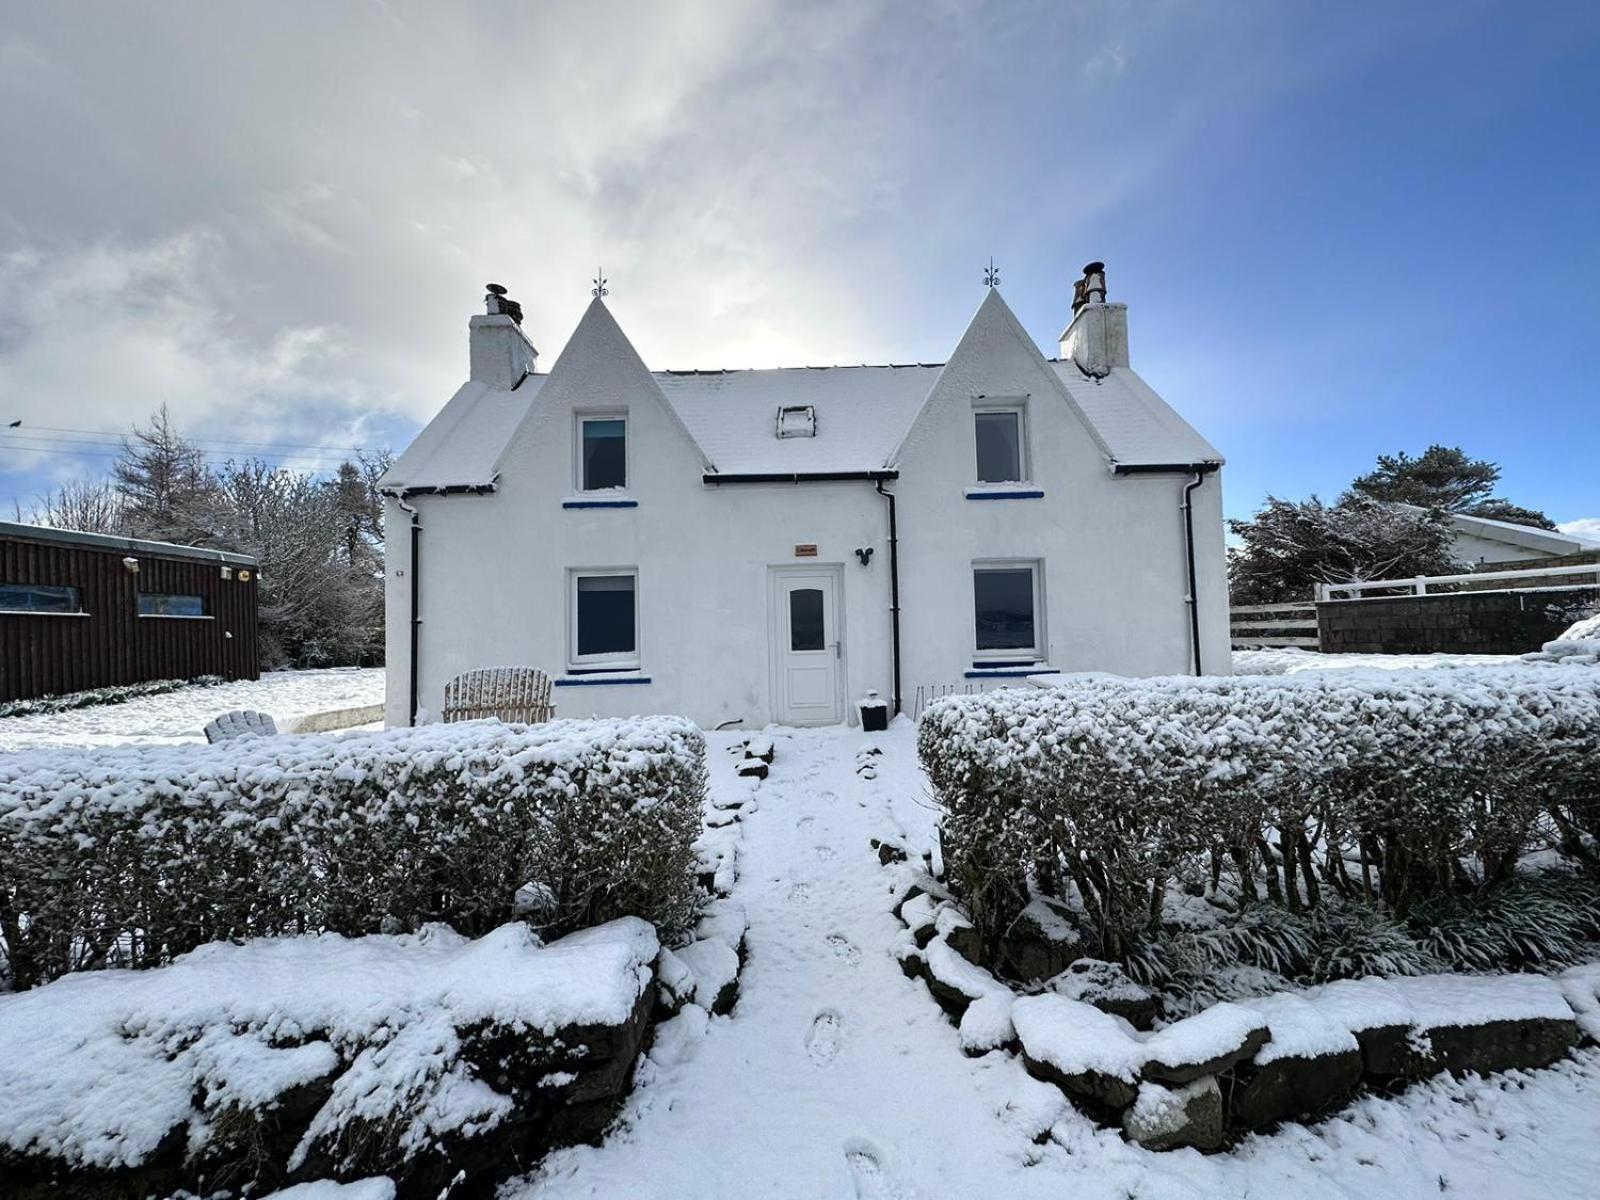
{"points": [[87, 610]]}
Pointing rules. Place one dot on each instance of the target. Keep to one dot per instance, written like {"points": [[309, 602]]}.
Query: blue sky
{"points": [[1342, 230]]}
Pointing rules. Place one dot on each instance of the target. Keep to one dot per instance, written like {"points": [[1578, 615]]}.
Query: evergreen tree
{"points": [[1288, 547], [1444, 477]]}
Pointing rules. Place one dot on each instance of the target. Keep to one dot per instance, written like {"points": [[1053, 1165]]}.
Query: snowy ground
{"points": [[181, 716], [837, 1078]]}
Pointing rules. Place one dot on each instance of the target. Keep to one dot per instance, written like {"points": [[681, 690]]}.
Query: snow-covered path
{"points": [[837, 1078]]}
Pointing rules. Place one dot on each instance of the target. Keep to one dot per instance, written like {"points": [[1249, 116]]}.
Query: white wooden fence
{"points": [[1273, 626], [1418, 585]]}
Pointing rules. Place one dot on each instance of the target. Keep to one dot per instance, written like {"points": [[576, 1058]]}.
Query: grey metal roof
{"points": [[105, 541]]}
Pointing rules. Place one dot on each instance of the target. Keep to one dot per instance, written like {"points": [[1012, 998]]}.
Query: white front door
{"points": [[807, 654]]}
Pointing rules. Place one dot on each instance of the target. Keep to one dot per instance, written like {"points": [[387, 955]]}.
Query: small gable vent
{"points": [[798, 420]]}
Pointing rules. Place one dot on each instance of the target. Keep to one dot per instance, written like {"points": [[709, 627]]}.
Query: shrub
{"points": [[1550, 919], [115, 694], [1118, 786], [132, 855]]}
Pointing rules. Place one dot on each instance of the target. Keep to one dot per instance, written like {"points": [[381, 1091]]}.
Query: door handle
{"points": [[836, 649]]}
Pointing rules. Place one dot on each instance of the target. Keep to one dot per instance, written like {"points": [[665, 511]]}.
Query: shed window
{"points": [[605, 618], [603, 453], [38, 598], [162, 604], [798, 420], [999, 434], [1005, 605]]}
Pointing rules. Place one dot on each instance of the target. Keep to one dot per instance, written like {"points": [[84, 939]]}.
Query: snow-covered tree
{"points": [[1288, 547]]}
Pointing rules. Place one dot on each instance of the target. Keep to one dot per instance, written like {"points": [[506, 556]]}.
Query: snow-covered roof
{"points": [[861, 414], [1138, 427], [1529, 537], [462, 445]]}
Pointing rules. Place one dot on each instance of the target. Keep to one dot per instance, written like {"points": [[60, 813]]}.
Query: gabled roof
{"points": [[1525, 537], [460, 448], [863, 414]]}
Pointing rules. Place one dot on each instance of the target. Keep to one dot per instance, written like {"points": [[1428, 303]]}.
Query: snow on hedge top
{"points": [[1245, 727], [98, 1067], [43, 783]]}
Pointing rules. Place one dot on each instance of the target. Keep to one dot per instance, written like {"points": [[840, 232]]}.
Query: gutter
{"points": [[719, 478]]}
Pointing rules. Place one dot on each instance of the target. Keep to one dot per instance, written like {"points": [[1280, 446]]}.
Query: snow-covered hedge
{"points": [[1374, 784], [244, 1067], [115, 694], [131, 855]]}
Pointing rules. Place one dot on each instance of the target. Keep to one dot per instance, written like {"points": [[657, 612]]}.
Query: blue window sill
{"points": [[599, 504], [600, 679], [1021, 493], [1011, 673]]}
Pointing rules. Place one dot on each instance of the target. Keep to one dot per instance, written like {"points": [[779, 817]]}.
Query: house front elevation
{"points": [[772, 545]]}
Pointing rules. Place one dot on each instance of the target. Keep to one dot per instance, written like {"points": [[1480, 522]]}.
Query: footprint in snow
{"points": [[824, 1036], [824, 853], [842, 947], [805, 822], [867, 1173], [800, 892]]}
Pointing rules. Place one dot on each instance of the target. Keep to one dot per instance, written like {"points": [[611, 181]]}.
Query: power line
{"points": [[107, 433], [79, 450]]}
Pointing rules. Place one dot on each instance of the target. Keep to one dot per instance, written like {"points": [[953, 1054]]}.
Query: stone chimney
{"points": [[501, 354], [1097, 338]]}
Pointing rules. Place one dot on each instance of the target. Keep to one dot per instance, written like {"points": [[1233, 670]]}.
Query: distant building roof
{"points": [[1528, 537], [105, 541]]}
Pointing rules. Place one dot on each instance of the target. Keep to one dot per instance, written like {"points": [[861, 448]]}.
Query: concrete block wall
{"points": [[1453, 623]]}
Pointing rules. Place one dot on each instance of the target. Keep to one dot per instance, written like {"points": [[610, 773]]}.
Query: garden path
{"points": [[837, 1078]]}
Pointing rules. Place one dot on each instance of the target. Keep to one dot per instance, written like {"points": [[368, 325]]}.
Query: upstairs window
{"points": [[799, 420], [38, 598], [605, 619], [603, 453], [1000, 434], [1006, 607], [160, 604]]}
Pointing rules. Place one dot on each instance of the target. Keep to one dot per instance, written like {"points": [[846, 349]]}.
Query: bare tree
{"points": [[86, 505]]}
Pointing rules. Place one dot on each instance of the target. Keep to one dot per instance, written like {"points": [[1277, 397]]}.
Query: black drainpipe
{"points": [[416, 612], [894, 592], [1188, 544]]}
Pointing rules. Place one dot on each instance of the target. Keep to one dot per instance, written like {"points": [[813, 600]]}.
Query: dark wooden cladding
{"points": [[48, 654]]}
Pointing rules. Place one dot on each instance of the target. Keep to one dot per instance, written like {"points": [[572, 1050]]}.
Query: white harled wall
{"points": [[494, 567]]}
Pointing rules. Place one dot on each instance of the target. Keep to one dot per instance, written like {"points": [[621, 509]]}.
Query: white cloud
{"points": [[1584, 527]]}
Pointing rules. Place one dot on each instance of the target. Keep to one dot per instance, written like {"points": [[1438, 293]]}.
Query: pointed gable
{"points": [[995, 335], [600, 367]]}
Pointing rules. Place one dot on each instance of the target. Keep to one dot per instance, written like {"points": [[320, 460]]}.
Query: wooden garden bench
{"points": [[242, 723], [520, 694]]}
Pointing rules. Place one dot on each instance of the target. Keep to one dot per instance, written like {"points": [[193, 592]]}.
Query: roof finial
{"points": [[991, 274], [599, 288]]}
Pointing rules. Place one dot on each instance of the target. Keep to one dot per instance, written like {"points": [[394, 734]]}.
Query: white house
{"points": [[768, 545]]}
